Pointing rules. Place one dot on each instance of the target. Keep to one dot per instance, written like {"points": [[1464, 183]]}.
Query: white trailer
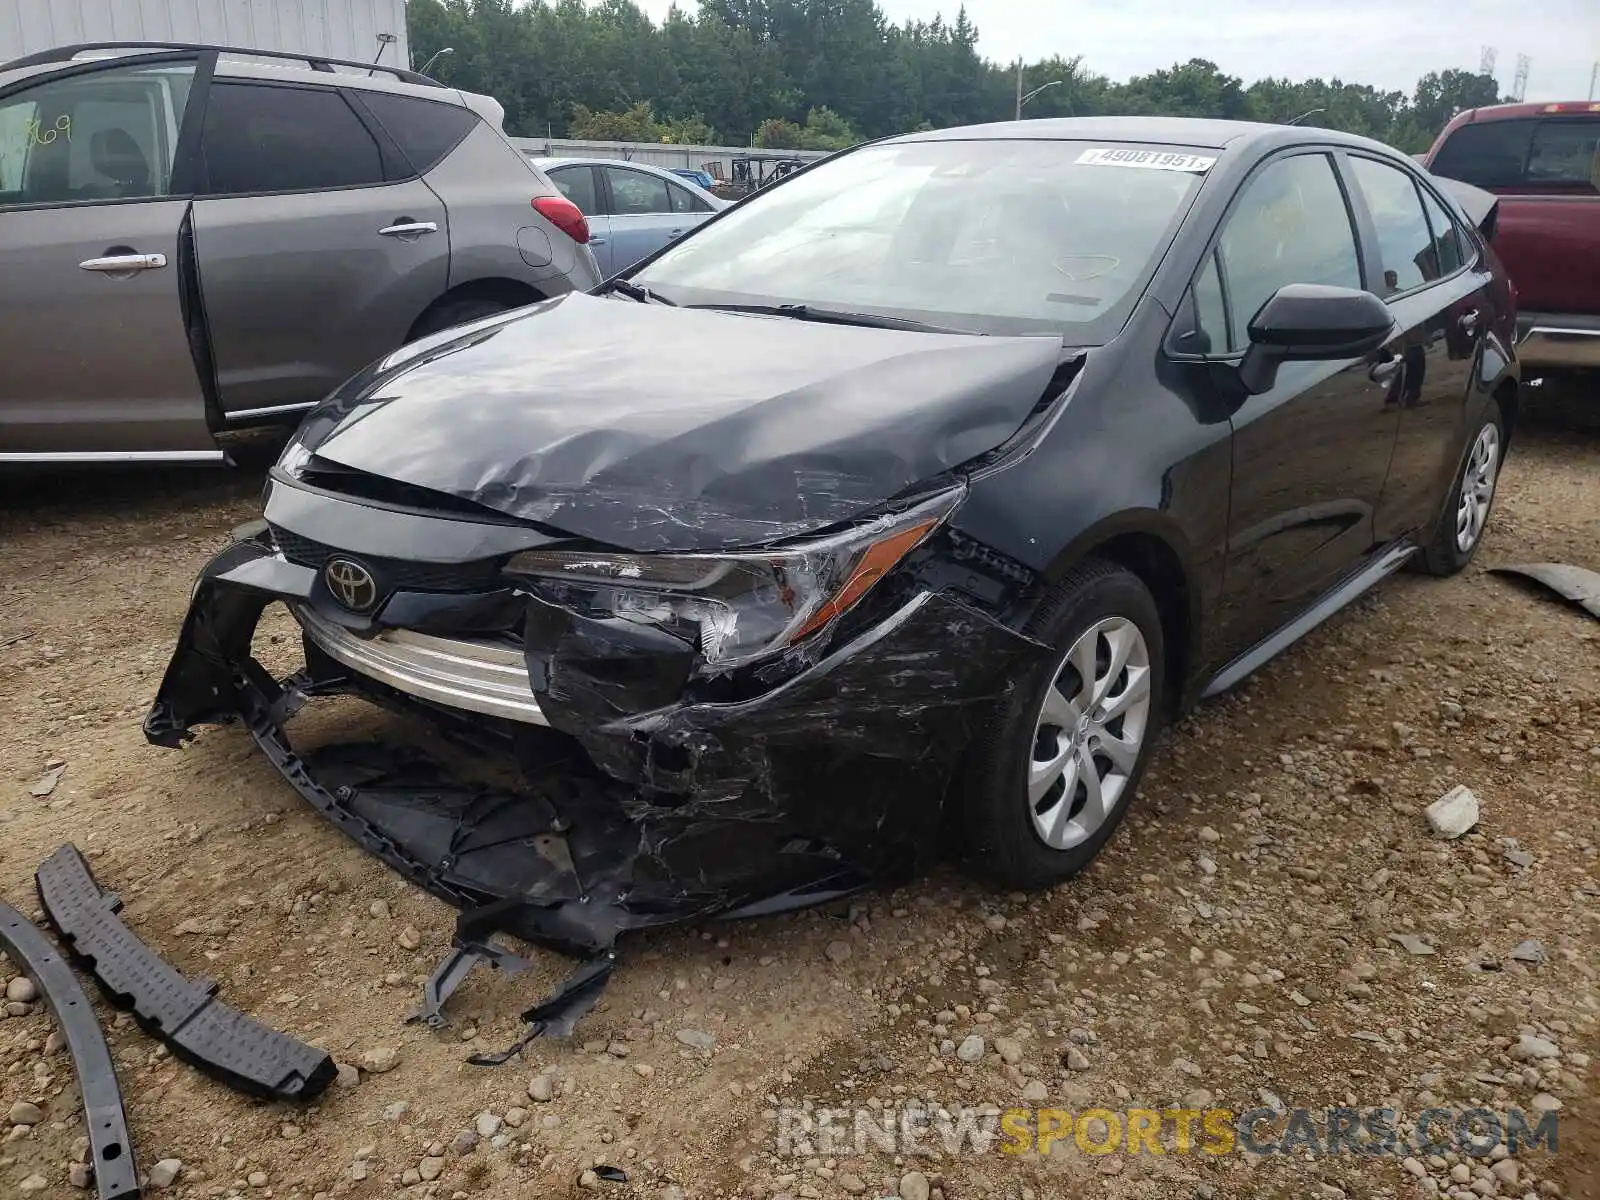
{"points": [[363, 30]]}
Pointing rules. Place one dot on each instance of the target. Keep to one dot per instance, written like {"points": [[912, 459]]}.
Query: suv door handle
{"points": [[407, 228], [1469, 321], [1384, 372], [116, 264]]}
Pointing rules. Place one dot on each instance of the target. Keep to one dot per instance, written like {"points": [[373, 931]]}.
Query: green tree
{"points": [[637, 124], [826, 130], [1440, 95], [827, 73], [689, 131], [776, 133]]}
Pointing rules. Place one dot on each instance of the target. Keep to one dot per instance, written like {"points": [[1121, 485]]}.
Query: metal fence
{"points": [[717, 160]]}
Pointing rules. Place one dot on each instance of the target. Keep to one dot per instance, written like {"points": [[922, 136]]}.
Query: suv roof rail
{"points": [[317, 62]]}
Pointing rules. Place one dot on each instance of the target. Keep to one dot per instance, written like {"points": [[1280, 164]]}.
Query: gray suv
{"points": [[196, 239]]}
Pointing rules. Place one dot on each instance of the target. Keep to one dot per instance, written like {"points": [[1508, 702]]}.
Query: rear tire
{"points": [[1465, 514], [452, 313], [1053, 775]]}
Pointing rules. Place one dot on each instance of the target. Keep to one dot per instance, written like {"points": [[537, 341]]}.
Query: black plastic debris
{"points": [[1577, 585], [610, 1174], [452, 973], [110, 1144], [184, 1014], [557, 1014]]}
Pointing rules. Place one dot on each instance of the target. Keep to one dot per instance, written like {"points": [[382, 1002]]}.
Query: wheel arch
{"points": [[1148, 544], [1508, 395], [513, 293]]}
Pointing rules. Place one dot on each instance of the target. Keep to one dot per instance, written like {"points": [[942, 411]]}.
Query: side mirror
{"points": [[1309, 322]]}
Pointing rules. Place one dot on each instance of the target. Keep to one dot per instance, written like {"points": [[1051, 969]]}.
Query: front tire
{"points": [[1053, 775], [1466, 511]]}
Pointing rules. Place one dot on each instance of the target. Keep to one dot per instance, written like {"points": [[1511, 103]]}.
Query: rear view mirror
{"points": [[1305, 322]]}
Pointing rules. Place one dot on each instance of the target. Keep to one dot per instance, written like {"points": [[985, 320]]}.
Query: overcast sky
{"points": [[1387, 43]]}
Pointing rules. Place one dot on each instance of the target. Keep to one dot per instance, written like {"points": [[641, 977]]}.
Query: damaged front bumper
{"points": [[675, 809]]}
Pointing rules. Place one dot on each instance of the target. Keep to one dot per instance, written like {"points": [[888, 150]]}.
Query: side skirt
{"points": [[1384, 564]]}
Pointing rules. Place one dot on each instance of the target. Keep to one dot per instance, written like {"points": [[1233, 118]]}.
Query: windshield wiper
{"points": [[834, 316], [632, 291]]}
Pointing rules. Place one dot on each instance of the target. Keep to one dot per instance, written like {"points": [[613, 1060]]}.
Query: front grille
{"points": [[395, 574]]}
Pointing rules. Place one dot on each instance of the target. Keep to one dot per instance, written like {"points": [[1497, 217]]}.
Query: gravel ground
{"points": [[1274, 926]]}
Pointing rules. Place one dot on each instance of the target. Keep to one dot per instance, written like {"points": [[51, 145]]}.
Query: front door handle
{"points": [[594, 241], [122, 264], [1469, 321], [404, 227], [1385, 372]]}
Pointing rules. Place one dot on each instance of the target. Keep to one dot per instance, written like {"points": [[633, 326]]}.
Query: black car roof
{"points": [[1173, 131]]}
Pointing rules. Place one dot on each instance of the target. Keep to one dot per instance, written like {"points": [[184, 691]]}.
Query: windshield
{"points": [[996, 236]]}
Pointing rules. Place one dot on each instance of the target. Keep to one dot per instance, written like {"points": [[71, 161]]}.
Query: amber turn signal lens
{"points": [[874, 564]]}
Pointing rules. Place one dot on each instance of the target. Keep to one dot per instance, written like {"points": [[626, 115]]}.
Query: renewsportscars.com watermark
{"points": [[806, 1130]]}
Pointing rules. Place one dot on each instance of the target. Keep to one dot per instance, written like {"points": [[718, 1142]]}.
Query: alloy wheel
{"points": [[1089, 732], [1477, 488]]}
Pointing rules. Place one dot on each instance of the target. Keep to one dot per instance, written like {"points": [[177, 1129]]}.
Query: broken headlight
{"points": [[739, 605]]}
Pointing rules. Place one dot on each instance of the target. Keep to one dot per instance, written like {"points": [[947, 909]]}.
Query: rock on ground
{"points": [[1454, 813]]}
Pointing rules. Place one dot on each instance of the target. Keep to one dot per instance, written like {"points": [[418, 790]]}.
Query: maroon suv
{"points": [[1543, 160]]}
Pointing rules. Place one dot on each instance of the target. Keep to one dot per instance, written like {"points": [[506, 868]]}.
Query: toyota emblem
{"points": [[351, 584]]}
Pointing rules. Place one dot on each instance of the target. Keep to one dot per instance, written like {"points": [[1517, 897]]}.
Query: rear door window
{"points": [[1450, 245], [1405, 242], [425, 130], [685, 201], [269, 138]]}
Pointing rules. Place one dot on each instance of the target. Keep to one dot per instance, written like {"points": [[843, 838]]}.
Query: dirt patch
{"points": [[1238, 939]]}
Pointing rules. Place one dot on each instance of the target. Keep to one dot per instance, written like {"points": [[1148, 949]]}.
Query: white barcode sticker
{"points": [[1150, 160]]}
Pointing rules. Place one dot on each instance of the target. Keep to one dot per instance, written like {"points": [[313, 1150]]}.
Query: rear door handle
{"points": [[1385, 371], [1469, 321], [118, 264], [597, 241], [405, 228]]}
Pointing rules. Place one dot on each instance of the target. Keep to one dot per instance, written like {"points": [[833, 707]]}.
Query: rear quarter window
{"points": [[425, 130]]}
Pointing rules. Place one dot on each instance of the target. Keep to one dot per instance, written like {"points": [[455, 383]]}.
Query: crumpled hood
{"points": [[657, 428]]}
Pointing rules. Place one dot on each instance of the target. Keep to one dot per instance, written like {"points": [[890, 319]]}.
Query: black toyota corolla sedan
{"points": [[907, 498]]}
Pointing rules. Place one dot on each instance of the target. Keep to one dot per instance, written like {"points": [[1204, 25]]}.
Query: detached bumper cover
{"points": [[833, 779]]}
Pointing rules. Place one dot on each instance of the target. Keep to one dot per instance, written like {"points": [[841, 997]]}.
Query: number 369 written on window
{"points": [[45, 135]]}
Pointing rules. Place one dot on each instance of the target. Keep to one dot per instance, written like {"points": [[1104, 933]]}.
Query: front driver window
{"points": [[100, 135], [1291, 225]]}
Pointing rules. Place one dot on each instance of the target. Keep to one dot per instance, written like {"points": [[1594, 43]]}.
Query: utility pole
{"points": [[1594, 80], [1019, 87]]}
